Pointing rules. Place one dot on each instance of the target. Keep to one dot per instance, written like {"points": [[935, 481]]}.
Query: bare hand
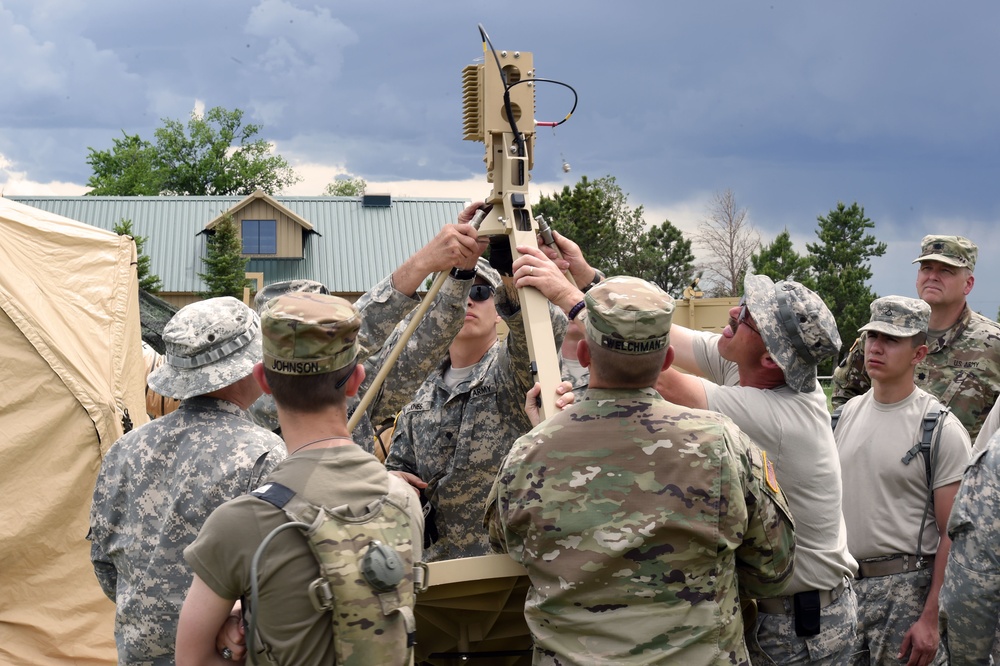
{"points": [[921, 641], [572, 258], [455, 245], [411, 479], [534, 269], [231, 636], [564, 398]]}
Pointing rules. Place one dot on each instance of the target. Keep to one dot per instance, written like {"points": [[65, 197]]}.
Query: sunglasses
{"points": [[480, 292], [744, 313]]}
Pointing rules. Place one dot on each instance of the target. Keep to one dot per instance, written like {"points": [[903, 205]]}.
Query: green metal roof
{"points": [[356, 246]]}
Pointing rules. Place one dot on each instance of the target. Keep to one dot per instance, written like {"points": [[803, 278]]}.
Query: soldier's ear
{"points": [[668, 360], [258, 374], [583, 353]]}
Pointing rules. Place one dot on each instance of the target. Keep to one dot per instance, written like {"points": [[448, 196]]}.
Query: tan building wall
{"points": [[289, 231]]}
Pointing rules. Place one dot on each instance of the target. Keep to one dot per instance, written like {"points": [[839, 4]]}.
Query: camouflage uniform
{"points": [[639, 521], [574, 373], [456, 439], [158, 483], [970, 596], [962, 368], [385, 313], [156, 487], [304, 334], [883, 517]]}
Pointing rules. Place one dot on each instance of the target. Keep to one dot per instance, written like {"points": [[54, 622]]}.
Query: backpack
{"points": [[368, 576]]}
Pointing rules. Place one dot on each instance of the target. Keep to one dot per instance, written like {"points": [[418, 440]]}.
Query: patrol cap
{"points": [[276, 289], [628, 315], [208, 345], [306, 333], [488, 273], [951, 250], [797, 328], [899, 316]]}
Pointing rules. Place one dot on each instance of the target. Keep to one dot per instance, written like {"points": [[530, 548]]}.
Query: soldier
{"points": [[892, 494], [962, 367], [638, 520], [761, 372], [456, 248], [311, 368], [158, 483], [970, 596], [450, 439]]}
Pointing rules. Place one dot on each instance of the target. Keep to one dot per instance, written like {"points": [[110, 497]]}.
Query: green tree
{"points": [[130, 168], [225, 265], [780, 261], [841, 261], [730, 240], [664, 258], [215, 154], [346, 187], [596, 214], [147, 280]]}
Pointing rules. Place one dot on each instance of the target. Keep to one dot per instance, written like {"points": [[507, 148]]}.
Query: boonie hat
{"points": [[951, 250], [276, 289], [899, 316], [306, 333], [628, 315], [797, 328], [209, 345]]}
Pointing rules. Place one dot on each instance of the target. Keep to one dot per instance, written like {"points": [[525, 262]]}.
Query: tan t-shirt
{"points": [[884, 499], [794, 429], [222, 553]]}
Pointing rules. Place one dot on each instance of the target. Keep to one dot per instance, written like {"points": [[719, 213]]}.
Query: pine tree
{"points": [[226, 267], [780, 261], [842, 267], [147, 280]]}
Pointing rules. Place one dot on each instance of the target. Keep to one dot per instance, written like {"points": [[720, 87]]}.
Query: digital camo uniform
{"points": [[962, 367], [385, 313], [159, 483], [638, 519], [970, 596], [889, 529], [791, 423], [456, 439], [308, 334]]}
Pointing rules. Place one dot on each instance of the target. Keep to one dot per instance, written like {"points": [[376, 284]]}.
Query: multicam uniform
{"points": [[970, 595], [385, 312], [961, 369], [455, 439], [885, 503], [635, 517], [156, 487]]}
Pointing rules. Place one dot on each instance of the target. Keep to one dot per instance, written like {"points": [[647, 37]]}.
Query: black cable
{"points": [[576, 99]]}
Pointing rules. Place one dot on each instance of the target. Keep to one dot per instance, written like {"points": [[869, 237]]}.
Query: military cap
{"points": [[797, 328], [276, 289], [628, 315], [488, 273], [898, 316], [209, 345], [951, 250], [306, 333]]}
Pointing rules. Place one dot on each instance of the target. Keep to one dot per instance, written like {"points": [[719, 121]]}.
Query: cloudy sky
{"points": [[792, 105]]}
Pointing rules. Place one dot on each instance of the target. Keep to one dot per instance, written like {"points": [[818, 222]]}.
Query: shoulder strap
{"points": [[835, 417], [923, 447]]}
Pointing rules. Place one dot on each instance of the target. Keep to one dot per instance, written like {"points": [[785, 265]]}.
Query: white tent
{"points": [[70, 366]]}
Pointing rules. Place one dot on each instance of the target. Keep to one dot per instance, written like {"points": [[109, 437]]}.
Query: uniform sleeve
{"points": [[104, 569], [402, 457], [849, 377], [381, 308], [765, 559], [423, 351]]}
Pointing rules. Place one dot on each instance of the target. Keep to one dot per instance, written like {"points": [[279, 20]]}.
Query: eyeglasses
{"points": [[480, 292], [744, 313]]}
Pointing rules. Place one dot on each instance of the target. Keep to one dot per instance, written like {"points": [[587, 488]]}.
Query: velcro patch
{"points": [[772, 478]]}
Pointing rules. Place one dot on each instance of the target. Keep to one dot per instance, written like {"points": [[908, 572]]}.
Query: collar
{"points": [[951, 334], [616, 394]]}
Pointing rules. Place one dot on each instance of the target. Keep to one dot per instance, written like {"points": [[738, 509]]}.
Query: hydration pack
{"points": [[368, 573]]}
